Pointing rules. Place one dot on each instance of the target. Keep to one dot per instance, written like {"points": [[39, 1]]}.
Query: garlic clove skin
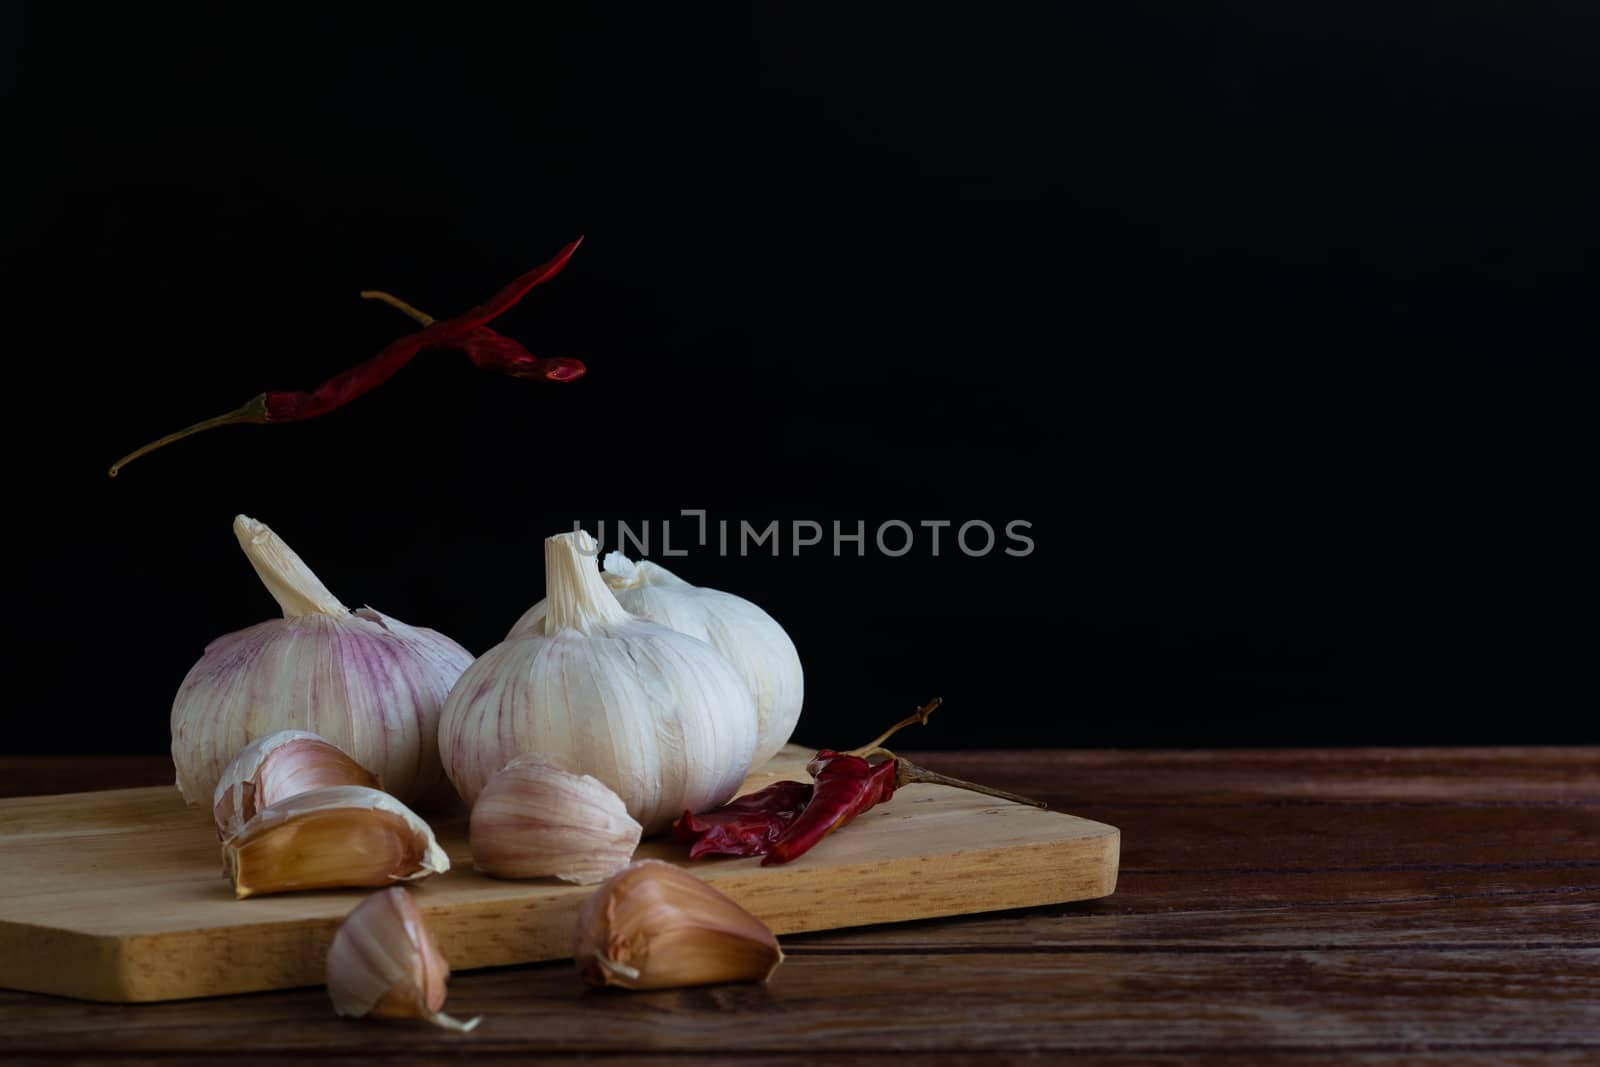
{"points": [[366, 683], [277, 767], [337, 836], [385, 963], [752, 640], [660, 717], [654, 926], [533, 820]]}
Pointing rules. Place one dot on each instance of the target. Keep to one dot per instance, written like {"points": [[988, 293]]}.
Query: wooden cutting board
{"points": [[119, 895]]}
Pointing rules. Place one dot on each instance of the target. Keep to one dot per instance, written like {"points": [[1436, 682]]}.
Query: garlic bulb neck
{"points": [[292, 584], [576, 594], [623, 573]]}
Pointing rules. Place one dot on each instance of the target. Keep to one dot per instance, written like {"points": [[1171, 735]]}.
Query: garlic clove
{"points": [[654, 926], [385, 963], [277, 767], [343, 835], [534, 820]]}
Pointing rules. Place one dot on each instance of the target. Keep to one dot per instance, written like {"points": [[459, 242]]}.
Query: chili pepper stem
{"points": [[255, 411], [398, 304], [919, 717], [908, 773]]}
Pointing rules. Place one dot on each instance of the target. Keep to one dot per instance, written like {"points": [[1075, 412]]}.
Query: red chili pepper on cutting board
{"points": [[468, 332], [787, 819], [845, 787], [745, 826]]}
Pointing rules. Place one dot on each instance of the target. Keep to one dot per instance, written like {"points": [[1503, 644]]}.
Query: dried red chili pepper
{"points": [[745, 826], [492, 351], [787, 819], [748, 825], [468, 332], [845, 787]]}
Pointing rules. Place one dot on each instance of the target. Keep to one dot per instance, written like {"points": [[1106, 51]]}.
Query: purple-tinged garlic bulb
{"points": [[367, 684]]}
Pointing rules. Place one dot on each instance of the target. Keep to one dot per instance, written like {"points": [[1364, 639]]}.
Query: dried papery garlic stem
{"points": [[295, 586], [277, 767], [653, 926], [384, 963], [533, 820], [343, 835]]}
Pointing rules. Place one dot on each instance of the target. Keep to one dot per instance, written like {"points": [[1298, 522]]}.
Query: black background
{"points": [[1276, 323]]}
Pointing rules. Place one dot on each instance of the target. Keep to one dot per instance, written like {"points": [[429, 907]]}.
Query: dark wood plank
{"points": [[1199, 837], [1360, 777], [1534, 1056], [1171, 890], [1291, 1000], [1521, 923], [26, 776]]}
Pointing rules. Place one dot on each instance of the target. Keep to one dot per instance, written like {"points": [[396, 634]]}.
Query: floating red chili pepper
{"points": [[492, 351], [468, 332], [787, 819]]}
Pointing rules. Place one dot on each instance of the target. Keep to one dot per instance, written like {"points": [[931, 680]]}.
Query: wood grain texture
{"points": [[1313, 909], [118, 896]]}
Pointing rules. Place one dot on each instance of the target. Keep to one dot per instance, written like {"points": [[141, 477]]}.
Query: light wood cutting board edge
{"points": [[962, 871]]}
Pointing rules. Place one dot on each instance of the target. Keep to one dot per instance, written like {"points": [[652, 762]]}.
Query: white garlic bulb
{"points": [[370, 685], [537, 821], [661, 718], [751, 639]]}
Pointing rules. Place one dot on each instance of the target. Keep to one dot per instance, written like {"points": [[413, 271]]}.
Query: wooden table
{"points": [[1425, 906]]}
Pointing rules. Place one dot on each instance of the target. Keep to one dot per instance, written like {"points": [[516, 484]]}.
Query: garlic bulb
{"points": [[385, 963], [751, 639], [660, 717], [370, 685], [277, 767], [337, 836], [533, 821], [653, 926]]}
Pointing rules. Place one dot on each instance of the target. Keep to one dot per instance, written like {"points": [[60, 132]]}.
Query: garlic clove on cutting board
{"points": [[346, 835], [533, 820], [277, 767]]}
